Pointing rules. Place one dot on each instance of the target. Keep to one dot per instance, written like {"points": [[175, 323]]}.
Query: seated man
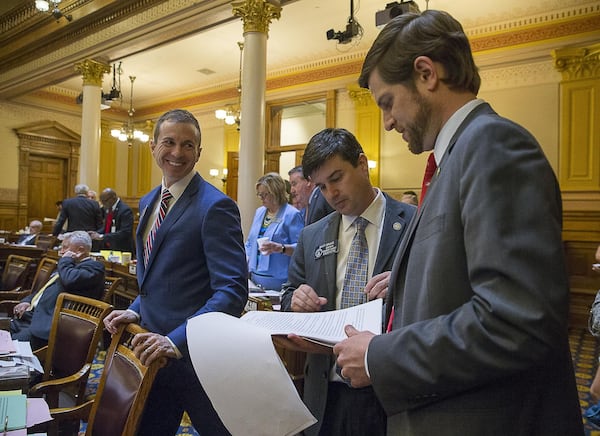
{"points": [[35, 227], [76, 273]]}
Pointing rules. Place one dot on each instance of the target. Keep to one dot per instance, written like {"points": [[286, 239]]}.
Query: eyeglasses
{"points": [[262, 195]]}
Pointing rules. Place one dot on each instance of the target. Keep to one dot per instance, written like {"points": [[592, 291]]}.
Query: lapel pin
{"points": [[397, 226]]}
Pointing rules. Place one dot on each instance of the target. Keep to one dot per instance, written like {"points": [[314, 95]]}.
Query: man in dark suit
{"points": [[478, 292], [35, 227], [79, 212], [77, 274], [306, 198], [116, 232], [193, 262], [336, 164]]}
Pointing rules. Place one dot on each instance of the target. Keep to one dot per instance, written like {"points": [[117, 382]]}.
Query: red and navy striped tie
{"points": [[164, 206]]}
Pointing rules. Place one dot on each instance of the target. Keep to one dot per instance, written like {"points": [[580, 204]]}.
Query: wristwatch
{"points": [[282, 248]]}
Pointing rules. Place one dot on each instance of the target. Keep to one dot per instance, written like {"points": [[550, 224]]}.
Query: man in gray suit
{"points": [[338, 167], [478, 342]]}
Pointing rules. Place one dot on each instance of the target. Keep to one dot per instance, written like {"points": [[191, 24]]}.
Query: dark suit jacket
{"points": [[317, 207], [81, 213], [479, 342], [27, 239], [122, 238], [321, 276], [197, 264], [85, 278]]}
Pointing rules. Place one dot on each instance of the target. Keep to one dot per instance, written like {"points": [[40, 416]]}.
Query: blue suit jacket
{"points": [[197, 264], [284, 229]]}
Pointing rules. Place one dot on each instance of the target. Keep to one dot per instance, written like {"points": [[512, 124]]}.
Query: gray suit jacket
{"points": [[479, 342], [320, 274]]}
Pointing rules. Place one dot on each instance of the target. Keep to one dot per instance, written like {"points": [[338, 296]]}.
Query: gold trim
{"points": [[578, 63], [257, 14], [92, 71]]}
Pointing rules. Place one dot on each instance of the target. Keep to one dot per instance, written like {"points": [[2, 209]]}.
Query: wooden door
{"points": [[46, 185], [231, 185]]}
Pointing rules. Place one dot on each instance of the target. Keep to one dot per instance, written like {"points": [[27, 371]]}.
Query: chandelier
{"points": [[115, 92], [128, 133], [44, 6], [231, 114]]}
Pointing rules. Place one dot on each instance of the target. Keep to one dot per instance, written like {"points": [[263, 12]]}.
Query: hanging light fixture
{"points": [[128, 133], [232, 114], [115, 92], [44, 6]]}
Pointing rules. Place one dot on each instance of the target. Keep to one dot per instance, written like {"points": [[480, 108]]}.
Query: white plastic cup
{"points": [[261, 242]]}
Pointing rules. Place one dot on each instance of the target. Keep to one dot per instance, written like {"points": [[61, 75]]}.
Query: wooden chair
{"points": [[15, 272], [45, 242], [76, 330], [9, 299], [124, 387], [110, 284]]}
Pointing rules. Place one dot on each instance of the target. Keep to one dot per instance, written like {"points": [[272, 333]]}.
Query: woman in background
{"points": [[276, 227]]}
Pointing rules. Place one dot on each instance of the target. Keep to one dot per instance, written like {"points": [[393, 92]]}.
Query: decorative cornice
{"points": [[360, 96], [578, 63], [257, 14], [516, 76], [92, 71]]}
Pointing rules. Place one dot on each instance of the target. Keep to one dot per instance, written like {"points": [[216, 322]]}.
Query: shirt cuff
{"points": [[367, 363], [177, 352], [137, 315]]}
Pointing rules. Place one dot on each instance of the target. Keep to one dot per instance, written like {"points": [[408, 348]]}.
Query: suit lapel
{"points": [[331, 234], [393, 229]]}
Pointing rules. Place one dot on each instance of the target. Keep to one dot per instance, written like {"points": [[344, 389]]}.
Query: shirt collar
{"points": [[451, 126], [373, 213], [177, 188]]}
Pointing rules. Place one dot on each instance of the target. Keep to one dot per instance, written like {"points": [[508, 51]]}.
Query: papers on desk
{"points": [[13, 411], [244, 377], [22, 356], [326, 328], [6, 343]]}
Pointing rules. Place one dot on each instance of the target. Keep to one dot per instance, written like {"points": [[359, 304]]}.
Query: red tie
{"points": [[429, 172], [108, 224]]}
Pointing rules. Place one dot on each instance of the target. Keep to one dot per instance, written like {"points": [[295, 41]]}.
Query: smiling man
{"points": [[191, 261]]}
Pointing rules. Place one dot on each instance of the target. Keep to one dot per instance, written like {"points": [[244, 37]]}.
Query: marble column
{"points": [[89, 168], [256, 16]]}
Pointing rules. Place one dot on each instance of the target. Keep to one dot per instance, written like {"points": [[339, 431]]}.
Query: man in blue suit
{"points": [[193, 262], [336, 164], [77, 273]]}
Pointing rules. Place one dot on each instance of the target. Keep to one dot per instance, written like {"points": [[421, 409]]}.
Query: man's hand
{"points": [[117, 317], [94, 235], [305, 299], [296, 343], [377, 286], [351, 356], [20, 309], [151, 346]]}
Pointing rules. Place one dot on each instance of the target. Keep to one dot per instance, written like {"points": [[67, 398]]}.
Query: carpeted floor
{"points": [[584, 349]]}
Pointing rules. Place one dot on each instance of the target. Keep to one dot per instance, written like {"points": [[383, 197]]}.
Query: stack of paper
{"points": [[13, 411]]}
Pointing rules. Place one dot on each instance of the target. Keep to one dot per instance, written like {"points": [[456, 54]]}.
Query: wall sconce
{"points": [[225, 172], [213, 172], [372, 164]]}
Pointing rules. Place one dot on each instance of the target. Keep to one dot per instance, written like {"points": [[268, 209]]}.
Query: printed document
{"points": [[326, 328]]}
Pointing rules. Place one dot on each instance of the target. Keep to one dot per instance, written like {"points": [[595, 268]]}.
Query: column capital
{"points": [[360, 96], [578, 63], [257, 14], [92, 71]]}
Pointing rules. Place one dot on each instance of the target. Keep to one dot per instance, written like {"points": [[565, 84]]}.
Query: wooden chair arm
{"points": [[51, 388], [40, 353]]}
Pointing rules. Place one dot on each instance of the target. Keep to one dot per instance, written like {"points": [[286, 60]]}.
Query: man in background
{"points": [[35, 227], [310, 201], [338, 167], [191, 260], [80, 212], [76, 273], [116, 232]]}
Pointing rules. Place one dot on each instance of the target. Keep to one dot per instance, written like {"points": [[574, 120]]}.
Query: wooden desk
{"points": [[127, 289]]}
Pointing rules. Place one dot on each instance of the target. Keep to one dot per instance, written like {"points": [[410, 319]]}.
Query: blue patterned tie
{"points": [[357, 269], [164, 206]]}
